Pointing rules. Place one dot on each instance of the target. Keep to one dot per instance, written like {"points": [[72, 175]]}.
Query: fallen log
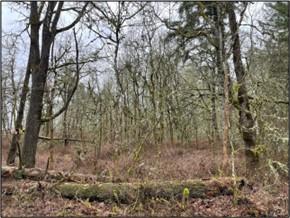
{"points": [[131, 192], [88, 187], [38, 174]]}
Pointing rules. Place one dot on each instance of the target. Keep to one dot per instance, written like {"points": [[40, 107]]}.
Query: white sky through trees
{"points": [[15, 18], [13, 15], [14, 21]]}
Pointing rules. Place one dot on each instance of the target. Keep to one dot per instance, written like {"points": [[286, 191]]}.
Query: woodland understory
{"points": [[145, 108]]}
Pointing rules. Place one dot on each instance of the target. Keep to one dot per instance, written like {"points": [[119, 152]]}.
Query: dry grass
{"points": [[165, 162], [160, 162]]}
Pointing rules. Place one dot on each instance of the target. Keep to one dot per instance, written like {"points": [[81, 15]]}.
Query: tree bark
{"points": [[132, 192], [226, 133], [18, 124], [246, 121], [37, 174], [87, 186], [51, 132], [224, 69], [64, 125], [34, 113], [39, 69]]}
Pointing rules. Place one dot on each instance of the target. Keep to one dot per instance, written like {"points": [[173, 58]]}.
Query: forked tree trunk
{"points": [[39, 68], [28, 149]]}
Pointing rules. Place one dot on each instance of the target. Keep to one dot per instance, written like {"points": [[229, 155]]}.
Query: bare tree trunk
{"points": [[226, 120], [14, 89], [39, 70], [51, 145], [51, 132], [170, 126], [161, 113], [215, 133], [19, 119], [35, 110], [226, 91], [100, 130], [39, 67], [111, 129], [28, 149], [246, 121], [64, 126]]}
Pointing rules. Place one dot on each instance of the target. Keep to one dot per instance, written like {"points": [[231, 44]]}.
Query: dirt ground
{"points": [[266, 197]]}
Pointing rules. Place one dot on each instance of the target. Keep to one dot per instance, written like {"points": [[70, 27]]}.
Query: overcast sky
{"points": [[11, 18]]}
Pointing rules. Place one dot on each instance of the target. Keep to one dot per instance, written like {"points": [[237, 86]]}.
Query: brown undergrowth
{"points": [[157, 163]]}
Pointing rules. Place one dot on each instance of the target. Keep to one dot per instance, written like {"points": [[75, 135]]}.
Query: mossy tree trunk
{"points": [[246, 120], [131, 192]]}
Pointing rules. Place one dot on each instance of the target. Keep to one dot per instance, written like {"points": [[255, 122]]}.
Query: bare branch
{"points": [[81, 13], [73, 89]]}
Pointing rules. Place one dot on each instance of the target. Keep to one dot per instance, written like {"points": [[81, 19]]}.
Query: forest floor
{"points": [[266, 197]]}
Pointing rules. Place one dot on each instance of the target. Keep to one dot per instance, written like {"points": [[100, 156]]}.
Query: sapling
{"points": [[185, 196]]}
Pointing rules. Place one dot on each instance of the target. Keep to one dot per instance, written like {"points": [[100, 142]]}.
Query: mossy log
{"points": [[87, 187], [130, 192], [50, 175]]}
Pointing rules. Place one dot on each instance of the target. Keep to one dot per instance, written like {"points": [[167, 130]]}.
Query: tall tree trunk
{"points": [[214, 125], [111, 129], [64, 123], [51, 131], [47, 110], [34, 113], [226, 132], [246, 120], [223, 69], [39, 69], [215, 134], [222, 73], [14, 90], [100, 131], [170, 124], [51, 145], [20, 113]]}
